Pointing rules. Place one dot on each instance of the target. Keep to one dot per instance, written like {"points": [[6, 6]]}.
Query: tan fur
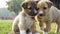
{"points": [[24, 21], [51, 14]]}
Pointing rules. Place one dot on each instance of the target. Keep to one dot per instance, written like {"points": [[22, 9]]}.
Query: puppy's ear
{"points": [[24, 5], [49, 4]]}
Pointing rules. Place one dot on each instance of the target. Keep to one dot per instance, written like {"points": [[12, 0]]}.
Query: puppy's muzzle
{"points": [[41, 13], [33, 12]]}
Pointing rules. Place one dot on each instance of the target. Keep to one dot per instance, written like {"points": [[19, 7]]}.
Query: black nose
{"points": [[41, 14], [32, 13]]}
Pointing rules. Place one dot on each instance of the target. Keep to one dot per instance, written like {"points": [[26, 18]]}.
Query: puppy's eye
{"points": [[44, 8]]}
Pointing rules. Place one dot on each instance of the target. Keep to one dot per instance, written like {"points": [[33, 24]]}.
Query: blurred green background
{"points": [[10, 8]]}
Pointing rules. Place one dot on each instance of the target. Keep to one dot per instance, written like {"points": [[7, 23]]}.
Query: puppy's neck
{"points": [[24, 11]]}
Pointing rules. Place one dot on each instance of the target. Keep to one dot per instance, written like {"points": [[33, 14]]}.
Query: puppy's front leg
{"points": [[33, 29], [15, 28], [22, 25], [48, 27], [22, 28], [58, 28]]}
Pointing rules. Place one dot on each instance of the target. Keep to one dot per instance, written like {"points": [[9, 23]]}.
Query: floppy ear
{"points": [[49, 4], [24, 5]]}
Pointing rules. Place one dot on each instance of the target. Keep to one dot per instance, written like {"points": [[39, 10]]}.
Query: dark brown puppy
{"points": [[24, 22]]}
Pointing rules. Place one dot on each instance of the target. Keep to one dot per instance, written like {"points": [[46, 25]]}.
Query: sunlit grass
{"points": [[6, 25]]}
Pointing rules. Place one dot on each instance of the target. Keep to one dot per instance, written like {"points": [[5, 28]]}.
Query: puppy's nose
{"points": [[41, 14]]}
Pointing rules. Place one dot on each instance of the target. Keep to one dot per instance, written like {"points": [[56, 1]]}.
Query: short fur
{"points": [[50, 14], [24, 20]]}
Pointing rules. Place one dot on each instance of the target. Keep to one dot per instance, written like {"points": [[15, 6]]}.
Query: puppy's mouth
{"points": [[33, 13], [41, 15]]}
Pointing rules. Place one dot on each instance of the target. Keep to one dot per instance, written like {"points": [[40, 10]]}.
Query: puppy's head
{"points": [[30, 7], [44, 7]]}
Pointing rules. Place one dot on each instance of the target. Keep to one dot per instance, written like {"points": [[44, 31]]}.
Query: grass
{"points": [[6, 25], [52, 31]]}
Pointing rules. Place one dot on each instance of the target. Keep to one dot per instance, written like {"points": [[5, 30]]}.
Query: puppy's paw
{"points": [[45, 32], [37, 33], [22, 32], [30, 33]]}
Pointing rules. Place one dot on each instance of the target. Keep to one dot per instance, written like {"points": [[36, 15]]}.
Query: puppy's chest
{"points": [[29, 22], [45, 18]]}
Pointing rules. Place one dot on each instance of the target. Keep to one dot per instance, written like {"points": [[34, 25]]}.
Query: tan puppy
{"points": [[24, 22], [47, 14]]}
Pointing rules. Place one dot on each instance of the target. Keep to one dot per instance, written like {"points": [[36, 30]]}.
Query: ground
{"points": [[6, 25]]}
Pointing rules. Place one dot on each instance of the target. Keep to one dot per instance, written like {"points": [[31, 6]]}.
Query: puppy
{"points": [[24, 22], [47, 14]]}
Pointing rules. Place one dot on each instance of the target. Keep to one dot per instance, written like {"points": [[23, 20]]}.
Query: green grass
{"points": [[52, 31], [6, 25]]}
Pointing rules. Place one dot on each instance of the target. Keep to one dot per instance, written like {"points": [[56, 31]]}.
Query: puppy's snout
{"points": [[41, 13], [33, 12]]}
